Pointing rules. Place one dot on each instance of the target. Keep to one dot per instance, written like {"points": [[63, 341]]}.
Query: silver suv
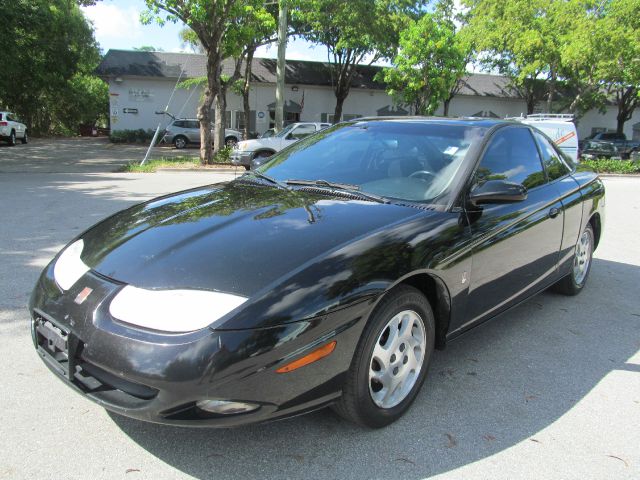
{"points": [[184, 131], [11, 129]]}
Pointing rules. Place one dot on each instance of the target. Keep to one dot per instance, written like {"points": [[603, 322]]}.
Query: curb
{"points": [[619, 175], [200, 170]]}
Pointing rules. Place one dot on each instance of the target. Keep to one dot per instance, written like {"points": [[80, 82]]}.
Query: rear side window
{"points": [[512, 155], [554, 166], [192, 124], [179, 124]]}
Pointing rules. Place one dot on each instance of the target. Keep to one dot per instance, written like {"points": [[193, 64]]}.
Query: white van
{"points": [[557, 126]]}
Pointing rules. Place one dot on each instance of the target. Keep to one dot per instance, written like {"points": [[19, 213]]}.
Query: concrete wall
{"points": [[134, 102]]}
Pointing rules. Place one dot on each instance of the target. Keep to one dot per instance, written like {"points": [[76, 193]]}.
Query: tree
{"points": [[523, 40], [352, 31], [618, 65], [221, 27], [430, 61], [48, 57]]}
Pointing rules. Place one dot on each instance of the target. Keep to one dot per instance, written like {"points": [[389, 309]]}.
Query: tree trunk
{"points": [[204, 117], [220, 118], [337, 113], [627, 100], [552, 90], [204, 110], [246, 89], [446, 106]]}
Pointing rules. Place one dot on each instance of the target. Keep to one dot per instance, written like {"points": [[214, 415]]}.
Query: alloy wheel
{"points": [[397, 359]]}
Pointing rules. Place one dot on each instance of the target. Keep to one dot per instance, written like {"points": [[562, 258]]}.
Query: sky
{"points": [[117, 25]]}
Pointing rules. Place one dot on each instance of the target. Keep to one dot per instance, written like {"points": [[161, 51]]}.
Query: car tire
{"points": [[12, 139], [230, 142], [366, 400], [574, 282], [180, 142], [25, 138]]}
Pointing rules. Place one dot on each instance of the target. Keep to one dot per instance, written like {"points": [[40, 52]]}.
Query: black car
{"points": [[592, 149], [326, 277]]}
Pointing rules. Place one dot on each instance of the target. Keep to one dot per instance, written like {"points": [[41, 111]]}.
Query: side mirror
{"points": [[497, 191]]}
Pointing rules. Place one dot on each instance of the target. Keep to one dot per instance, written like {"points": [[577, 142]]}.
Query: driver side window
{"points": [[513, 156]]}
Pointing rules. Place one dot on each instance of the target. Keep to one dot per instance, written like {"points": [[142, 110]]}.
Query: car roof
{"points": [[465, 121]]}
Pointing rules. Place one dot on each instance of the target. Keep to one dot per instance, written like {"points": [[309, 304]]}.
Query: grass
{"points": [[222, 158], [153, 164], [603, 165]]}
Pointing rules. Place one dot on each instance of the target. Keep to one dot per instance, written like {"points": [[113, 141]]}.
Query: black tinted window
{"points": [[192, 124], [551, 158], [178, 123], [512, 155]]}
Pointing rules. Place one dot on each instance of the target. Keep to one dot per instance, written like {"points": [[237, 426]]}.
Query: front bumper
{"points": [[159, 377], [243, 158]]}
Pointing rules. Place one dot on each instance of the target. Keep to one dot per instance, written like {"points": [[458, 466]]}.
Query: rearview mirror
{"points": [[497, 191]]}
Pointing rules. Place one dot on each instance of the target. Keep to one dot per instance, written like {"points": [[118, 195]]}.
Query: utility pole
{"points": [[280, 68]]}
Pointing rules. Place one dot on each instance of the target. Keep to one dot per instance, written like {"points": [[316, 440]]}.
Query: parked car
{"points": [[357, 252], [594, 149], [11, 129], [184, 131], [623, 146], [255, 152]]}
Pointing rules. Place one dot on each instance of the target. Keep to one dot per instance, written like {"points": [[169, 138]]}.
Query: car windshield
{"points": [[414, 161], [285, 131]]}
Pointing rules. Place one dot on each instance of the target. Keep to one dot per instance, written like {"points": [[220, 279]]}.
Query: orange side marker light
{"points": [[314, 356]]}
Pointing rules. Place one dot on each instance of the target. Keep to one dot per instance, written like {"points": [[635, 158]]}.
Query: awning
{"points": [[289, 106]]}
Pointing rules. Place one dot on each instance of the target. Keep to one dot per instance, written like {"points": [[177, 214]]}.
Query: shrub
{"points": [[131, 136], [605, 165], [223, 156]]}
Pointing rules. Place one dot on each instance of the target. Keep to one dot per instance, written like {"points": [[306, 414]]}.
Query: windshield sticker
{"points": [[451, 150]]}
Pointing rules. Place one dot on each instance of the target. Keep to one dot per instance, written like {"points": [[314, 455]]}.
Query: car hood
{"points": [[236, 238], [270, 142]]}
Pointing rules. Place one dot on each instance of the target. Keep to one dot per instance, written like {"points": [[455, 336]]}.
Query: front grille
{"points": [[62, 351]]}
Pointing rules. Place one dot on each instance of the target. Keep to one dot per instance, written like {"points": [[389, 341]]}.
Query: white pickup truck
{"points": [[249, 152]]}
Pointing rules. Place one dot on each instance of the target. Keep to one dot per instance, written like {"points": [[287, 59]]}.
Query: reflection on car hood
{"points": [[235, 238]]}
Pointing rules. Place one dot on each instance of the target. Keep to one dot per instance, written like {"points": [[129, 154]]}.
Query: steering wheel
{"points": [[423, 174]]}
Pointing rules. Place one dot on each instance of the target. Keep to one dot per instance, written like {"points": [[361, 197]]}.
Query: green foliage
{"points": [[430, 61], [223, 155], [48, 56], [604, 165], [352, 31], [131, 136], [223, 29]]}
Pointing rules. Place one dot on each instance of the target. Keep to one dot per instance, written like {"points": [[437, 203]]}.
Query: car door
{"points": [[17, 126], [515, 245], [558, 170], [298, 133]]}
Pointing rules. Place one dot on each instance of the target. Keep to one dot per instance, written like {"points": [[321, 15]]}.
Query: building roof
{"points": [[121, 63]]}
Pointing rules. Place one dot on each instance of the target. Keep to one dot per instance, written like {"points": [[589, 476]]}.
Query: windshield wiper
{"points": [[352, 189], [267, 178]]}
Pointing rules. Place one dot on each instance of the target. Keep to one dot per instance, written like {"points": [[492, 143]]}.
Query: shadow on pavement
{"points": [[495, 387]]}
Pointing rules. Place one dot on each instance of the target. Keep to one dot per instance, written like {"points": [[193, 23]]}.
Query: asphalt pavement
{"points": [[548, 390]]}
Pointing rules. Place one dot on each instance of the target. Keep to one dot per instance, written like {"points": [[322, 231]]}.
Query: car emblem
{"points": [[82, 296]]}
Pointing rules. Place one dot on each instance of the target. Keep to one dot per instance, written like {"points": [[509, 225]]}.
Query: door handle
{"points": [[554, 212]]}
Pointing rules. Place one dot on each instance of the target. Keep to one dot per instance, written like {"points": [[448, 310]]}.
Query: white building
{"points": [[142, 83]]}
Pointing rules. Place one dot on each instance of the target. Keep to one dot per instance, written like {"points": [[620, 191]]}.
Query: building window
{"points": [[240, 123]]}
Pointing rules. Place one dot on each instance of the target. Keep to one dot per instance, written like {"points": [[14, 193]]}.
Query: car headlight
{"points": [[69, 267], [176, 311]]}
